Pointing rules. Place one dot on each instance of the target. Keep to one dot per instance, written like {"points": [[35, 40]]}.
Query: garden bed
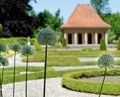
{"points": [[112, 79]]}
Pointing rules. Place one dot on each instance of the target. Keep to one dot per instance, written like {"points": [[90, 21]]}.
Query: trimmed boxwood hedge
{"points": [[71, 82]]}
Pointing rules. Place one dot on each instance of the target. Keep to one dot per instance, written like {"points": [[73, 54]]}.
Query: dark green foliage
{"points": [[19, 20], [118, 44], [102, 44], [15, 18]]}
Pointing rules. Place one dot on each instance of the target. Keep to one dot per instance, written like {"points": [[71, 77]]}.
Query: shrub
{"points": [[102, 44], [64, 43], [70, 80], [37, 46], [118, 44]]}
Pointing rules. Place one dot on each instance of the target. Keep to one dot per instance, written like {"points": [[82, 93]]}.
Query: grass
{"points": [[69, 57], [37, 73]]}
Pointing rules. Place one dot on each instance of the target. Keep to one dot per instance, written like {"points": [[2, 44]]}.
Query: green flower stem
{"points": [[26, 76], [2, 74], [14, 74], [103, 81], [2, 80], [45, 71]]}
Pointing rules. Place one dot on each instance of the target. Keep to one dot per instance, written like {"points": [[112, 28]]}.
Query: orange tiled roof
{"points": [[84, 16]]}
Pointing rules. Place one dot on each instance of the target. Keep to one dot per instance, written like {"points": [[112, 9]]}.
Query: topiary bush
{"points": [[64, 43], [118, 44], [72, 81], [102, 44]]}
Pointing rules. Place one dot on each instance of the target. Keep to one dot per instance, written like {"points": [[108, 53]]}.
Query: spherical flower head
{"points": [[48, 36], [3, 61], [15, 47], [2, 47], [106, 60], [27, 50]]}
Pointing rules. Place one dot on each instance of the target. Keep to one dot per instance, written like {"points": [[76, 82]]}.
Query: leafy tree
{"points": [[113, 20], [101, 6], [15, 18], [46, 19]]}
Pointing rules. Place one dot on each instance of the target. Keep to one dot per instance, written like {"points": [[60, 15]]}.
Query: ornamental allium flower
{"points": [[106, 60], [3, 61], [27, 50], [2, 47], [48, 36], [15, 47]]}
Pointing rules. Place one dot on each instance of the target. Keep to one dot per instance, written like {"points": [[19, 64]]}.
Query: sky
{"points": [[67, 6]]}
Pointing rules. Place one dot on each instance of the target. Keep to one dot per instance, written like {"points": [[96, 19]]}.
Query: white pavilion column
{"points": [[75, 38], [65, 36], [106, 38], [96, 38], [86, 38]]}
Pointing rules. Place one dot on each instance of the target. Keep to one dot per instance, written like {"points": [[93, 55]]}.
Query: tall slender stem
{"points": [[2, 80], [45, 71], [1, 94], [26, 77], [103, 81], [14, 74]]}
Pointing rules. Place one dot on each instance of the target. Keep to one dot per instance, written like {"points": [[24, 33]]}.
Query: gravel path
{"points": [[53, 89]]}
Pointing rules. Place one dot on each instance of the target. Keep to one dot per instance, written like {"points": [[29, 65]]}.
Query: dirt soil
{"points": [[100, 78]]}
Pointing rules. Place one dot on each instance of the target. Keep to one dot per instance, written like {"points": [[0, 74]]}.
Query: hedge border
{"points": [[71, 82]]}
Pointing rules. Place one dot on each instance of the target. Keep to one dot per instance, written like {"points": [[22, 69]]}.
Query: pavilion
{"points": [[85, 27]]}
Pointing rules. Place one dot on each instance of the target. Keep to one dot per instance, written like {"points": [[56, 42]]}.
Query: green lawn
{"points": [[69, 57], [37, 73]]}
